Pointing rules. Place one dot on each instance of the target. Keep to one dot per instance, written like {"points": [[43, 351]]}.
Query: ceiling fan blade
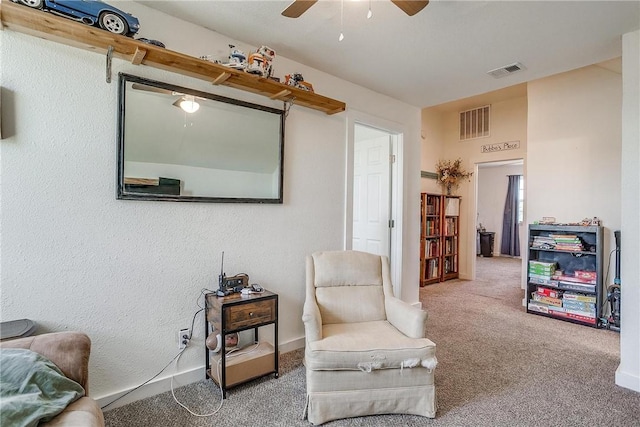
{"points": [[411, 7], [297, 8]]}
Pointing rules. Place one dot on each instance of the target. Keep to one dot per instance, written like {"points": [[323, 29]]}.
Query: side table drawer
{"points": [[250, 314]]}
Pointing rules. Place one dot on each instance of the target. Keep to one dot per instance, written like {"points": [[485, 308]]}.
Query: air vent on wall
{"points": [[506, 70], [474, 123]]}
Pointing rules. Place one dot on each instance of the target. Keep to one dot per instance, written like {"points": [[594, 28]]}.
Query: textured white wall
{"points": [[628, 374], [129, 273], [574, 149]]}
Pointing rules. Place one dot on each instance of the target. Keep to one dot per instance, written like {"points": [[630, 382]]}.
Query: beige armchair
{"points": [[366, 351]]}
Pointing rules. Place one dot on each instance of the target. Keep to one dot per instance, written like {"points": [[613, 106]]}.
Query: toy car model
{"points": [[90, 12]]}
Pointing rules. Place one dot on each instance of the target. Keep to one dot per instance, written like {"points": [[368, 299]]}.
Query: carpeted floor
{"points": [[498, 366]]}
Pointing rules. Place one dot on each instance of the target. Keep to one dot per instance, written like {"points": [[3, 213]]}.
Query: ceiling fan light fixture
{"points": [[188, 104]]}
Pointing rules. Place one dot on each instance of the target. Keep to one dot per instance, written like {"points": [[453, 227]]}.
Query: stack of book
{"points": [[450, 227], [577, 307], [567, 242], [543, 242], [582, 281], [541, 272], [431, 247], [547, 297], [432, 269], [564, 304]]}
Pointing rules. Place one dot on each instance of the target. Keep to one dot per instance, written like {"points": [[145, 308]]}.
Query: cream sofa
{"points": [[69, 351], [366, 351]]}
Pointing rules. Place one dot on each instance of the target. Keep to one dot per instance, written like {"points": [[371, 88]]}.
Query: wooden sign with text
{"points": [[502, 146]]}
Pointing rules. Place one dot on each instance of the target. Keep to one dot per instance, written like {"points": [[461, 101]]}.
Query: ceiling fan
{"points": [[298, 7], [186, 102]]}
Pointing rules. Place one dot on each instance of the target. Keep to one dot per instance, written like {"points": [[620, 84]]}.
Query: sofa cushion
{"points": [[32, 388], [83, 412], [368, 346]]}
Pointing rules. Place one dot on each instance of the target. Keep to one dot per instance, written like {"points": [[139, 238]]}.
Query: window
{"points": [[521, 199]]}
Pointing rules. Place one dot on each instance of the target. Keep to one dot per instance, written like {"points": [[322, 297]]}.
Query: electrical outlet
{"points": [[183, 338]]}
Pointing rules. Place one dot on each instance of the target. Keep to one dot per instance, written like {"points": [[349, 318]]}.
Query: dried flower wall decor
{"points": [[450, 173]]}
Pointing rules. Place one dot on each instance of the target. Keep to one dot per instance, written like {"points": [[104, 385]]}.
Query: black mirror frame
{"points": [[122, 194]]}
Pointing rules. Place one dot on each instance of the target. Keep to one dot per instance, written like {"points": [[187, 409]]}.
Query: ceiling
{"points": [[439, 55]]}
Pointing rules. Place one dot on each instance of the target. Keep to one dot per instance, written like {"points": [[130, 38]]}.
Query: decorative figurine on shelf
{"points": [[209, 58], [237, 59], [260, 62], [296, 80]]}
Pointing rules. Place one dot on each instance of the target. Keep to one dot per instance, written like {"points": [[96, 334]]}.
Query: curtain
{"points": [[510, 244]]}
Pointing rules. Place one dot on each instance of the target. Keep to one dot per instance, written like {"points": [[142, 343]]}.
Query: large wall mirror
{"points": [[180, 144]]}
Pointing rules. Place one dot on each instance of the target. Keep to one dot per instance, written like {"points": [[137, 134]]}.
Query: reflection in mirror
{"points": [[185, 145]]}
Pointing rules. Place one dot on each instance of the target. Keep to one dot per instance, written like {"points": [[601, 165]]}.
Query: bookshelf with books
{"points": [[564, 274], [439, 237]]}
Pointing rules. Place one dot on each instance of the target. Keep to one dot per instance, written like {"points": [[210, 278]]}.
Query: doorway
{"points": [[372, 180], [374, 191], [491, 193]]}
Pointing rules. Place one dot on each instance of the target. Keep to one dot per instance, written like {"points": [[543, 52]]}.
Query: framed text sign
{"points": [[502, 146]]}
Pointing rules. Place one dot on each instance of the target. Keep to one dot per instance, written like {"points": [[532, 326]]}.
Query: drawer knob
{"points": [[251, 314]]}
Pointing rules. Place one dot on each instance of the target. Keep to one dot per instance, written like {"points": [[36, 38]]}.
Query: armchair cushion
{"points": [[347, 304], [367, 346], [336, 268]]}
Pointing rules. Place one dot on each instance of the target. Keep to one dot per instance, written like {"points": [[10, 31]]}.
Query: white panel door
{"points": [[371, 193]]}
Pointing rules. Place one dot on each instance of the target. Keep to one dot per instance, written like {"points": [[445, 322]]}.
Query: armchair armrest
{"points": [[69, 351], [312, 321], [408, 319], [311, 316]]}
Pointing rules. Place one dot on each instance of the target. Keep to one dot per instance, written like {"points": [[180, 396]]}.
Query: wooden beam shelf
{"points": [[45, 25]]}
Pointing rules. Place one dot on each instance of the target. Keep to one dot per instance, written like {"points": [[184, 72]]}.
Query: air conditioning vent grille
{"points": [[475, 123], [506, 70]]}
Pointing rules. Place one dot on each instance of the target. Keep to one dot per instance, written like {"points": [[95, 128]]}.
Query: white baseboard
{"points": [[626, 380], [157, 386], [417, 304], [288, 346], [163, 384]]}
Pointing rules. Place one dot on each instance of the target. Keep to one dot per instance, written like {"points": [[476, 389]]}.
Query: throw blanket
{"points": [[32, 388]]}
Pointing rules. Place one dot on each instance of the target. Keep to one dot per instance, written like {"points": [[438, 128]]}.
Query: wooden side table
{"points": [[235, 313]]}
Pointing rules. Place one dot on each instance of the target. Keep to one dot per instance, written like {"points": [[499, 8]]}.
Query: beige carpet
{"points": [[498, 366]]}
